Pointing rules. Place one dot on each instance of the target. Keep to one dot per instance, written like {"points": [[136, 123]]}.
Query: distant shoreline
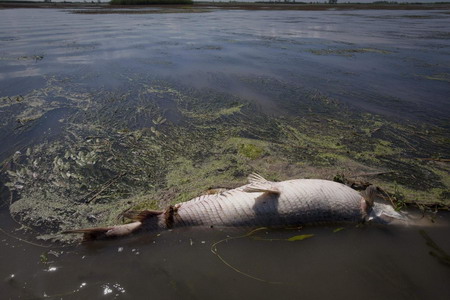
{"points": [[233, 6]]}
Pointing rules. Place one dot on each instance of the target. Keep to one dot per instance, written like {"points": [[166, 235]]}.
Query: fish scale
{"points": [[259, 203], [298, 202]]}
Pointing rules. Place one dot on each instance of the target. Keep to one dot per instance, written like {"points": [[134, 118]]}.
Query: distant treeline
{"points": [[333, 2], [148, 2], [15, 1]]}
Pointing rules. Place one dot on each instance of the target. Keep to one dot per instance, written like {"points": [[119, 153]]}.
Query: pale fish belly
{"points": [[298, 202]]}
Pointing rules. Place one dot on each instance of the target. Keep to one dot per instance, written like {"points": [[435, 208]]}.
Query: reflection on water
{"points": [[338, 262], [280, 44]]}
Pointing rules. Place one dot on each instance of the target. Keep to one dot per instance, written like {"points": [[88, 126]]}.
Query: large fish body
{"points": [[259, 203], [292, 202]]}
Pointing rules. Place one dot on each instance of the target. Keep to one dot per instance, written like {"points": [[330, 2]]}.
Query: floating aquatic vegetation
{"points": [[158, 121], [445, 77], [348, 52], [300, 237], [250, 150], [251, 235], [436, 251], [141, 147], [25, 58], [214, 250]]}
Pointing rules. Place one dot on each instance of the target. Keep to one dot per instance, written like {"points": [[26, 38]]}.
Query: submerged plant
{"points": [[436, 251]]}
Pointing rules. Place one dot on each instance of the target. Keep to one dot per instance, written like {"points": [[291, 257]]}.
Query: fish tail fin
{"points": [[148, 217], [98, 233]]}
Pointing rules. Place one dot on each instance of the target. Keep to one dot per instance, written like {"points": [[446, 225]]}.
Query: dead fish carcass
{"points": [[260, 203]]}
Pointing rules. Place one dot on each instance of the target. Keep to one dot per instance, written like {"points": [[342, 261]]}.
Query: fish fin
{"points": [[99, 233], [369, 195], [267, 187], [141, 215], [255, 178], [260, 184]]}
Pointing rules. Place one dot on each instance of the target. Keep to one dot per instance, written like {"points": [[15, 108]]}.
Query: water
{"points": [[390, 262], [380, 60], [96, 109]]}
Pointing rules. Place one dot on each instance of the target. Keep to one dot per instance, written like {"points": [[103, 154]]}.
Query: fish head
{"points": [[379, 210], [385, 213]]}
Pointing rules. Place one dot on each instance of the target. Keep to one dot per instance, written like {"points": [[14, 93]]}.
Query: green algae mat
{"points": [[163, 143]]}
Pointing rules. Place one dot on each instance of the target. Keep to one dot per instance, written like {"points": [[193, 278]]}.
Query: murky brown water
{"points": [[336, 262], [394, 63]]}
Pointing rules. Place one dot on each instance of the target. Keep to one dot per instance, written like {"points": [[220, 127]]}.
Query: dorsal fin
{"points": [[255, 178], [141, 215], [259, 184]]}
